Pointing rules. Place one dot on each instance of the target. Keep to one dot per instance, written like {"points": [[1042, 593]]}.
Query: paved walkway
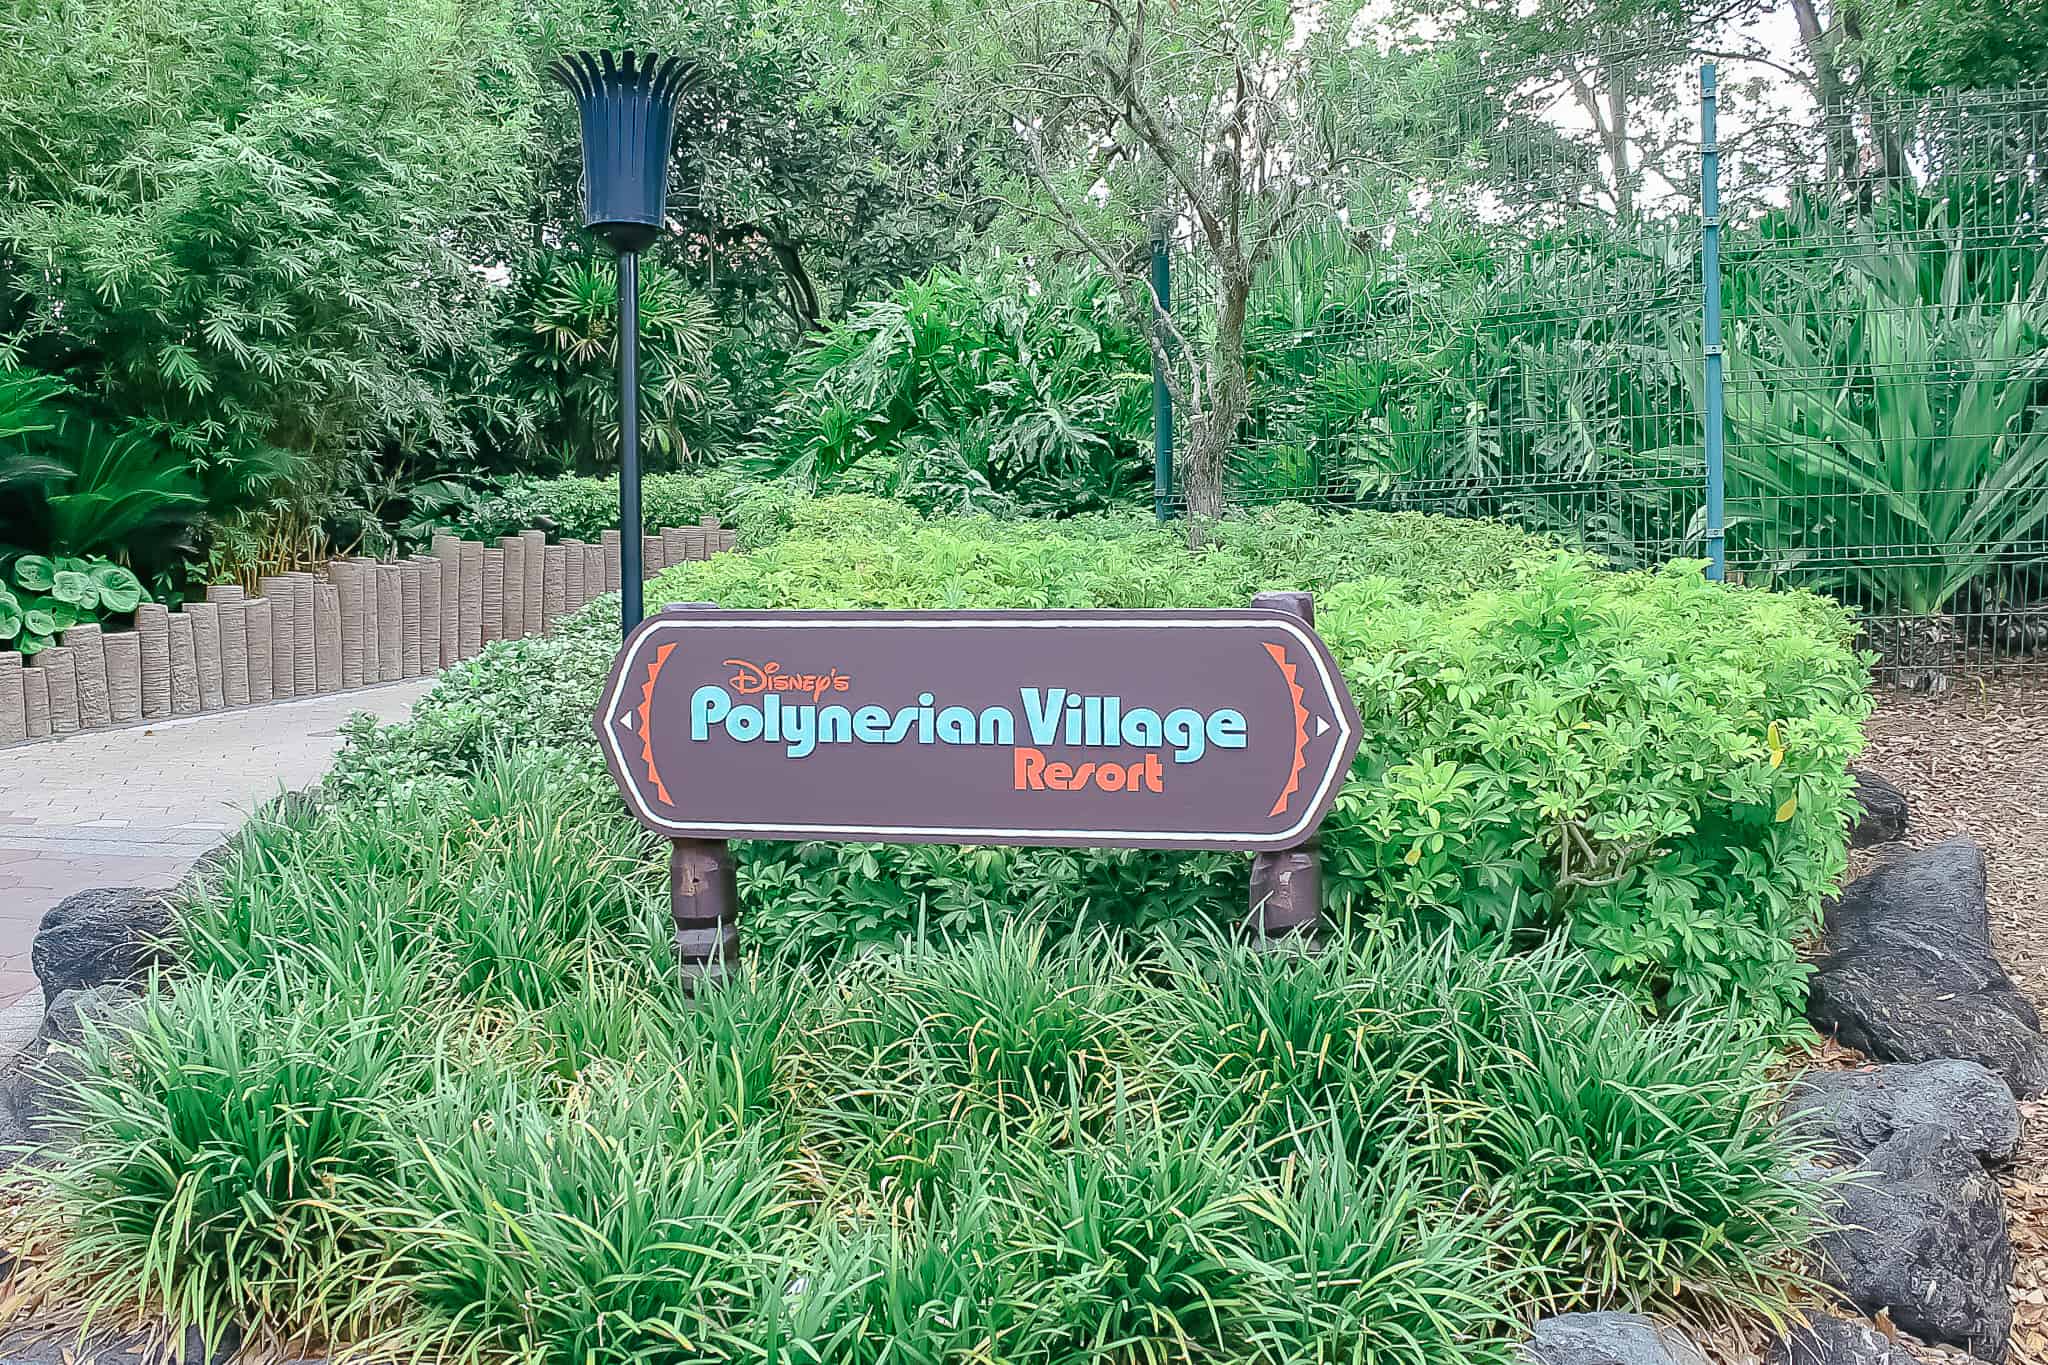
{"points": [[135, 806]]}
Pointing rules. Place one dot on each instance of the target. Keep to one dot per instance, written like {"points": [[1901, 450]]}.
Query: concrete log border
{"points": [[350, 623]]}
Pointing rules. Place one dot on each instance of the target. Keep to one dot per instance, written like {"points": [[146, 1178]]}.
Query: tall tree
{"points": [[245, 232], [1215, 122], [1917, 46]]}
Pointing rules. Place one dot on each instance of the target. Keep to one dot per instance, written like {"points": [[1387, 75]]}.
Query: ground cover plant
{"points": [[1648, 763], [431, 1086], [41, 597], [584, 508]]}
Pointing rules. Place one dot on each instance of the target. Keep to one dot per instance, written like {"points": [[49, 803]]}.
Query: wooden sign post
{"points": [[1201, 729]]}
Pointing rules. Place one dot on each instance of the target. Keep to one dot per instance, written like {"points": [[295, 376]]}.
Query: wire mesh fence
{"points": [[1516, 330], [1887, 351]]}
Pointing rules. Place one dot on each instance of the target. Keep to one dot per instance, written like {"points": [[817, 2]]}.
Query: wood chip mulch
{"points": [[1974, 761]]}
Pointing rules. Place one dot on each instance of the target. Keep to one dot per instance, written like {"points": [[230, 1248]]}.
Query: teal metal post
{"points": [[1162, 396], [1710, 288]]}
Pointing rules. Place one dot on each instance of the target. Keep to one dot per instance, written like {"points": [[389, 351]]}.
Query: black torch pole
{"points": [[630, 527]]}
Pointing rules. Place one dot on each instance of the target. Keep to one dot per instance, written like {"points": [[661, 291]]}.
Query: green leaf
{"points": [[35, 572], [75, 589], [10, 617], [39, 621], [33, 643], [120, 590]]}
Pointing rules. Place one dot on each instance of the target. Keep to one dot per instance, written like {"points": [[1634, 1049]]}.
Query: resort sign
{"points": [[1213, 729]]}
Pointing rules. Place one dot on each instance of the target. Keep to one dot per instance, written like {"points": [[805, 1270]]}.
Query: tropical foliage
{"points": [[234, 259], [1886, 436], [1648, 764], [41, 597], [1002, 393], [567, 370], [432, 1087]]}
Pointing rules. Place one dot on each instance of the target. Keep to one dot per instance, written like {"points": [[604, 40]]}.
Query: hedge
{"points": [[581, 508], [1649, 764]]}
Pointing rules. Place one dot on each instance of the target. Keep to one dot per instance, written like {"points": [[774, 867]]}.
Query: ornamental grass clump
{"points": [[227, 1146], [1040, 1143]]}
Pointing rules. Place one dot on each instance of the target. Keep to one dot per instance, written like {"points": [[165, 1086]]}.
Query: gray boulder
{"points": [[99, 937], [1856, 1112], [1909, 974], [207, 869], [1883, 811], [35, 1084], [64, 1022], [1919, 1232], [1823, 1340], [1607, 1339]]}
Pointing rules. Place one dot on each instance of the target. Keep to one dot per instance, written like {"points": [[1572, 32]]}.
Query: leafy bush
{"points": [[1650, 764], [245, 275], [966, 393], [1020, 1146], [41, 597], [565, 370], [579, 508]]}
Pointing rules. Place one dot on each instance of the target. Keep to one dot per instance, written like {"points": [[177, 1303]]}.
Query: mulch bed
{"points": [[1974, 760]]}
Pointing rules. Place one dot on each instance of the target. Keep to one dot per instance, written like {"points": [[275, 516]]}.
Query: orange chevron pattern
{"points": [[646, 704], [1287, 670]]}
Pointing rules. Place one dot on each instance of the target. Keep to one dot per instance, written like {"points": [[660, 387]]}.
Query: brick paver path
{"points": [[135, 806]]}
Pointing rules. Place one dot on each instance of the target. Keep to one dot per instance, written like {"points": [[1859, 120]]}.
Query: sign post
{"points": [[1287, 884], [1199, 729]]}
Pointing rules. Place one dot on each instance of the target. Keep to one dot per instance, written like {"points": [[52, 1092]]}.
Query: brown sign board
{"points": [[1214, 729]]}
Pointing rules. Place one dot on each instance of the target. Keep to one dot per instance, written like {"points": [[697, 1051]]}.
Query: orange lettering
{"points": [[1031, 772]]}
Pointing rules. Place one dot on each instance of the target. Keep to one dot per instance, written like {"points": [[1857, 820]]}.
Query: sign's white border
{"points": [[1254, 619]]}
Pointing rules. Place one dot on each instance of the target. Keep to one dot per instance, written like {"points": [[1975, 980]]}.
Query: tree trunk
{"points": [[1827, 84], [1617, 144], [1891, 150], [1214, 436]]}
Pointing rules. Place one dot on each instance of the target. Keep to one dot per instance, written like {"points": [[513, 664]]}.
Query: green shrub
{"points": [[575, 1232], [999, 393], [227, 1146], [584, 508], [41, 597], [1649, 763]]}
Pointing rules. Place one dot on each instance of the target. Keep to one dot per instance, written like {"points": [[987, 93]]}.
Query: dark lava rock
{"points": [[99, 937], [1607, 1339], [1822, 1340], [35, 1084], [1919, 1232], [1909, 974], [1859, 1111], [64, 1021], [57, 1343], [1883, 820], [205, 872]]}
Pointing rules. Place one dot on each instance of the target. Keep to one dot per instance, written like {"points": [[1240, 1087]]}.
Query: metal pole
{"points": [[1710, 288], [1162, 396], [630, 529]]}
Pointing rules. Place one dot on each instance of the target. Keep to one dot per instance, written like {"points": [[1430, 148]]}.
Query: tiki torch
{"points": [[627, 103]]}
